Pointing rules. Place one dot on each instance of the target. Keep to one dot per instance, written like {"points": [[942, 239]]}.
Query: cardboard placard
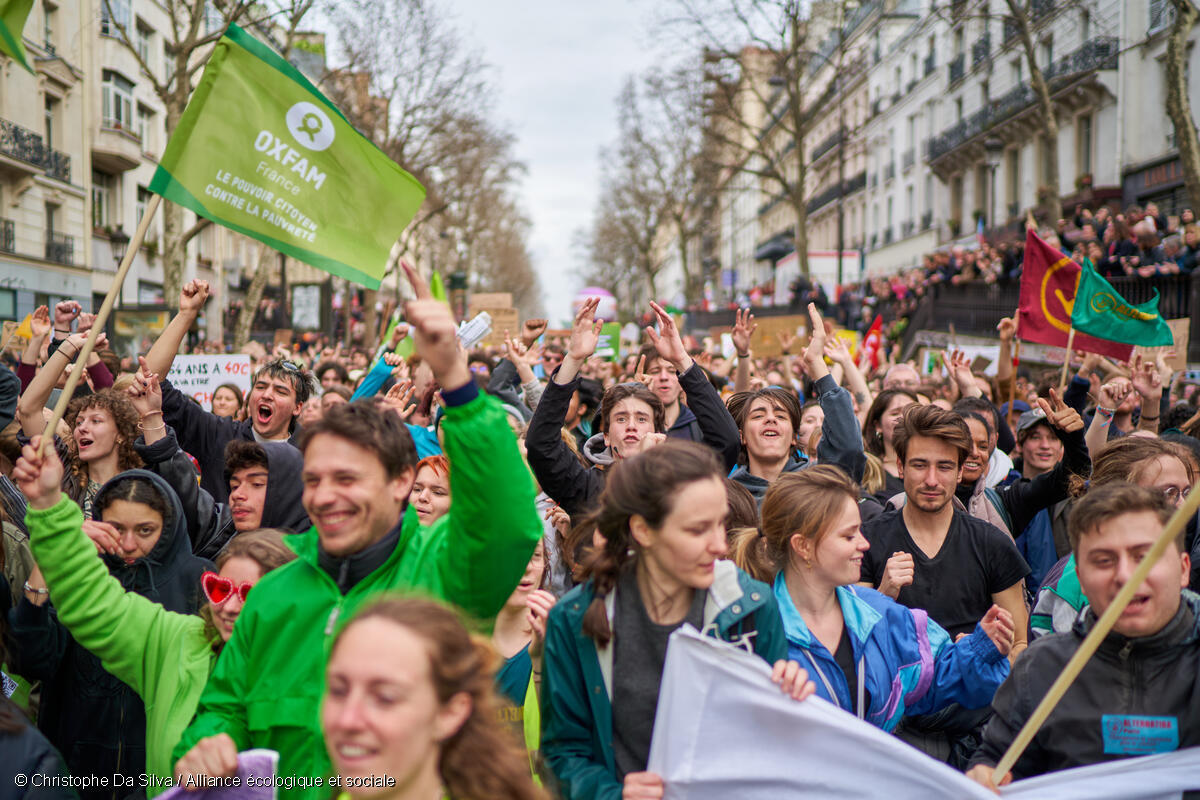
{"points": [[503, 319], [199, 376], [1181, 331], [12, 342], [486, 301], [283, 337], [764, 343]]}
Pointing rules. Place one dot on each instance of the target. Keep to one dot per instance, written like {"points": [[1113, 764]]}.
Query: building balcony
{"points": [[60, 248], [981, 51], [906, 228], [1011, 32], [116, 148], [23, 152], [874, 180], [887, 235], [1041, 8], [958, 67], [828, 143], [831, 193], [927, 220], [8, 236], [907, 159], [930, 64], [1099, 53], [889, 172]]}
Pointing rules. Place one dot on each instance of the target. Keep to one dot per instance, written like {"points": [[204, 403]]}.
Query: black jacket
{"points": [[95, 720], [26, 752], [574, 486], [1153, 676], [209, 523], [205, 435]]}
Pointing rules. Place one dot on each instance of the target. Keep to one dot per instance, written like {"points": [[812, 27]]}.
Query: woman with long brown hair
{"points": [[870, 655], [878, 428], [657, 562], [409, 699]]}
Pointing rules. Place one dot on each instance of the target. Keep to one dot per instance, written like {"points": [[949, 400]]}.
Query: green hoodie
{"points": [[163, 656], [266, 689]]}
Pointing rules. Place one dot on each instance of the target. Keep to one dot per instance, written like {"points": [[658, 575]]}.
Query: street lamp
{"points": [[118, 240], [993, 147]]}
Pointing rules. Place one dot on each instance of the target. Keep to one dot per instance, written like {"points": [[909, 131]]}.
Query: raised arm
{"points": [[164, 350], [29, 407], [743, 328], [841, 436], [493, 524]]}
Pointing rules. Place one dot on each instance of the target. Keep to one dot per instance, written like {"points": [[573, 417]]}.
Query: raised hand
{"points": [[585, 334], [398, 334], [1059, 414], [1113, 393], [65, 314], [998, 625], [76, 341], [744, 327], [814, 354], [86, 321], [1007, 327], [399, 398], [651, 440], [837, 351], [419, 286], [532, 330], [639, 372], [559, 518], [193, 296], [960, 370], [436, 339], [39, 322], [787, 340], [144, 392], [667, 340], [39, 476], [1145, 378]]}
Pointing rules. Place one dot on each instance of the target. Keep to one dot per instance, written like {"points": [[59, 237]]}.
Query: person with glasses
{"points": [[359, 469], [1166, 467], [278, 391], [87, 653], [162, 655]]}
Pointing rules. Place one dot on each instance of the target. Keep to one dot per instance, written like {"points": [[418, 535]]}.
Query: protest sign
{"points": [[772, 746], [261, 151], [199, 376], [1181, 332], [764, 342], [608, 346]]}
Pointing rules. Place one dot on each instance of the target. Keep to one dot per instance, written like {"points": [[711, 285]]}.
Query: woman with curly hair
{"points": [[103, 427]]}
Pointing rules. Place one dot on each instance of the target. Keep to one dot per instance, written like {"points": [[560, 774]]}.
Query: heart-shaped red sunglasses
{"points": [[218, 589]]}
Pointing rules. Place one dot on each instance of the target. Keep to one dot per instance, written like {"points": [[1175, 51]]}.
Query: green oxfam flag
{"points": [[261, 151], [1101, 312], [13, 14]]}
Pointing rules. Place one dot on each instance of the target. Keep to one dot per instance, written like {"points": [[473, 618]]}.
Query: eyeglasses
{"points": [[218, 589], [1175, 495]]}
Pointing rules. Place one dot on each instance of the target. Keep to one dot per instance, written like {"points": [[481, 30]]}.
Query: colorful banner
{"points": [[13, 14], [1101, 311], [261, 151], [1048, 283]]}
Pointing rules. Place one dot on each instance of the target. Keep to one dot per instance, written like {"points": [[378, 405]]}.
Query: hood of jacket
{"points": [[686, 417], [597, 452], [758, 486], [169, 574], [282, 507]]}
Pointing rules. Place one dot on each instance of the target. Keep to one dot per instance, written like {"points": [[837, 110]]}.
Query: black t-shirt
{"points": [[844, 656], [955, 587]]}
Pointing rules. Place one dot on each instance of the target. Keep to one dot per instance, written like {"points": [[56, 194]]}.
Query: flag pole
{"points": [[1062, 381], [98, 324], [1103, 625], [1012, 385]]}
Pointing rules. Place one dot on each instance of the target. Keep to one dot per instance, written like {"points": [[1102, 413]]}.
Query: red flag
{"points": [[1048, 283], [872, 342]]}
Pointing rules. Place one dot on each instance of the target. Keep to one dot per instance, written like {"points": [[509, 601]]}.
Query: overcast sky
{"points": [[558, 65]]}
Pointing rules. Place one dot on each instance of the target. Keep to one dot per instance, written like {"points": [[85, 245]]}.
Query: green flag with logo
{"points": [[261, 151], [13, 14], [1100, 311]]}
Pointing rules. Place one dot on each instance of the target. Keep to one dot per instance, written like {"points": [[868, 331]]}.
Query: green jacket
{"points": [[163, 656], [266, 688], [576, 705]]}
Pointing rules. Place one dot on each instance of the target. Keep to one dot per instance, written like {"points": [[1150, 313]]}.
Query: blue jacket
{"points": [[904, 659], [577, 727]]}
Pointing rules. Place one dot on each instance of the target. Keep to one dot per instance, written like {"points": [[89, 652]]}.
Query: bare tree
{"points": [[1179, 106], [195, 26], [762, 104]]}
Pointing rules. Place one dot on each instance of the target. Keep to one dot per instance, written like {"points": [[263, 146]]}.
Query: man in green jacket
{"points": [[359, 465]]}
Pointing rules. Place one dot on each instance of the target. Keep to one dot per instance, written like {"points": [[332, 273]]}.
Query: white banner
{"points": [[199, 376], [724, 730]]}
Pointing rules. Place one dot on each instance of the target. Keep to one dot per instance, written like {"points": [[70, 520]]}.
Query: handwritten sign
{"points": [[199, 376]]}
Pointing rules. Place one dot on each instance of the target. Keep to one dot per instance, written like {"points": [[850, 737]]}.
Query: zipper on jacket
{"points": [[333, 617]]}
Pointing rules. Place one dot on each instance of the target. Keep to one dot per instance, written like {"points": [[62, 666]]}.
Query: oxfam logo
{"points": [[310, 126]]}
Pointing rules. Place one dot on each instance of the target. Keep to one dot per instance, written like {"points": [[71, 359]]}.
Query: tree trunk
{"points": [[800, 205], [245, 321], [370, 317], [689, 288], [1179, 107], [1045, 106]]}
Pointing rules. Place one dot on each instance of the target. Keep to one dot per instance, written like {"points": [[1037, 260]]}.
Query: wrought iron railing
{"points": [[828, 143], [889, 171], [60, 248], [927, 220], [930, 64], [981, 50], [958, 67], [25, 145], [8, 236], [907, 159]]}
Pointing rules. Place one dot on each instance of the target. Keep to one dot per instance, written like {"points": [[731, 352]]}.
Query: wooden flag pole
{"points": [[64, 398], [1012, 386], [1062, 381], [1103, 625]]}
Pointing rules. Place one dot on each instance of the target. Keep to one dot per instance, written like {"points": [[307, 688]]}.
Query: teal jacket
{"points": [[163, 656], [267, 686], [577, 677]]}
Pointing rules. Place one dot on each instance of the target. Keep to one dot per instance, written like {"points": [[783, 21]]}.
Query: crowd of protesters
{"points": [[454, 574]]}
